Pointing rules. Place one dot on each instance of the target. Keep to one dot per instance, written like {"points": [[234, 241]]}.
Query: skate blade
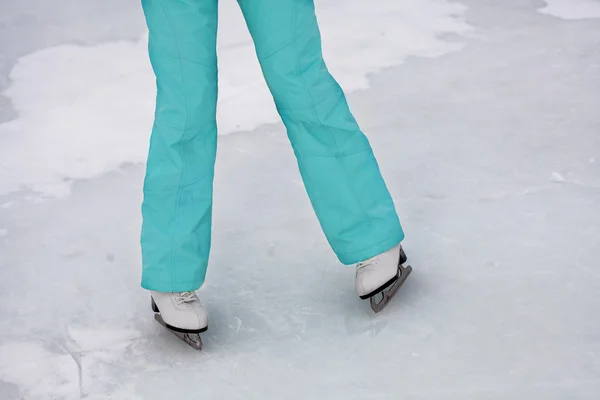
{"points": [[380, 300], [192, 339]]}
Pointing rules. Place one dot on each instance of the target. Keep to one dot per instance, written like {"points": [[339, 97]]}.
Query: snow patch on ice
{"points": [[95, 339], [84, 111], [82, 367], [3, 232], [556, 177], [572, 9], [38, 372], [100, 349]]}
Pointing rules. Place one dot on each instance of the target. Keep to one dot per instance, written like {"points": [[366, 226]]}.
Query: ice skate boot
{"points": [[380, 277], [182, 313]]}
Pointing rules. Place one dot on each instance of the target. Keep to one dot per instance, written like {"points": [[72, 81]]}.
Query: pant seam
{"points": [[318, 103], [285, 44], [187, 185], [331, 136], [201, 126], [187, 60], [178, 195]]}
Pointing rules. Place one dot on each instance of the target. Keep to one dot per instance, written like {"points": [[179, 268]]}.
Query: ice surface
{"points": [[488, 139], [572, 9], [43, 372]]}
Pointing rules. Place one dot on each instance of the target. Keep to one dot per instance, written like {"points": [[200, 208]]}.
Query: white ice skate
{"points": [[182, 313], [379, 278]]}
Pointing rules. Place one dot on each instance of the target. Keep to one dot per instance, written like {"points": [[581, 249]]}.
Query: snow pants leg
{"points": [[178, 188], [335, 159]]}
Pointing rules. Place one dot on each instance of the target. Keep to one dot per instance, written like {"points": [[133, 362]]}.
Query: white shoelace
{"points": [[185, 297], [366, 263]]}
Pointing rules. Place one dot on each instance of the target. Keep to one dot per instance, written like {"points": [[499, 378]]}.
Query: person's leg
{"points": [[178, 187], [336, 162]]}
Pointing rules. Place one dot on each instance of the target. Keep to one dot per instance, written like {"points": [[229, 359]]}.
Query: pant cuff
{"points": [[161, 286], [372, 250]]}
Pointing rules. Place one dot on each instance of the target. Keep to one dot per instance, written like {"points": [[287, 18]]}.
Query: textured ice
{"points": [[484, 116], [43, 374], [572, 9]]}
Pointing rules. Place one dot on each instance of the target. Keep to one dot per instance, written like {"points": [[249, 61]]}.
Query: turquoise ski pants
{"points": [[335, 159]]}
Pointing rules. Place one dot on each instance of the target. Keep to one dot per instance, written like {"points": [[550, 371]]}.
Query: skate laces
{"points": [[366, 263], [185, 297]]}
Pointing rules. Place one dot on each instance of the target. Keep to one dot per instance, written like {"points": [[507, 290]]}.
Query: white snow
{"points": [[487, 139], [41, 373], [87, 110], [79, 367], [89, 340], [8, 204], [572, 9], [557, 177]]}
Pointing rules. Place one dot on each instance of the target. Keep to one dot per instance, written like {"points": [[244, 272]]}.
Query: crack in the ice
{"points": [[76, 356]]}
